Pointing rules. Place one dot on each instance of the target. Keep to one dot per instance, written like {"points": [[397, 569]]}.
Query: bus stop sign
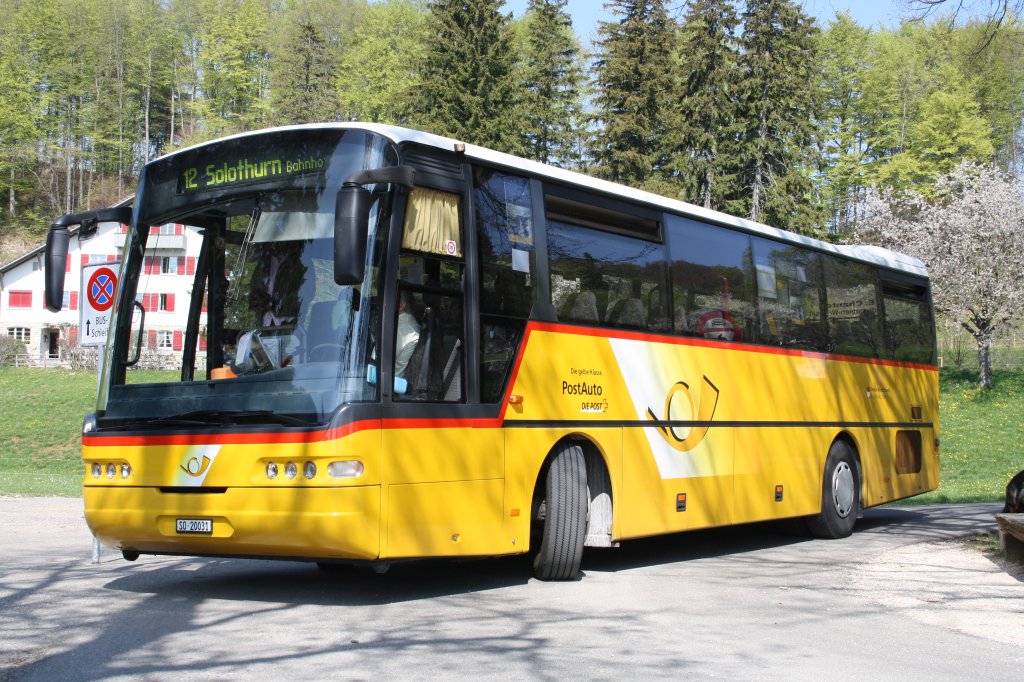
{"points": [[99, 284]]}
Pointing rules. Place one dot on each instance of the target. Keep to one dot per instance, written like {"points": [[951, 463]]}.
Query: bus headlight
{"points": [[271, 470], [348, 469], [309, 470], [111, 470], [126, 470], [290, 470], [97, 470]]}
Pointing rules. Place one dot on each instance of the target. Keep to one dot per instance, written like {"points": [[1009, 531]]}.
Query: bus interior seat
{"points": [[627, 312], [583, 307], [452, 375]]}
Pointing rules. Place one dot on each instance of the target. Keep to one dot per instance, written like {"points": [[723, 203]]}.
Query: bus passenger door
{"points": [[443, 473]]}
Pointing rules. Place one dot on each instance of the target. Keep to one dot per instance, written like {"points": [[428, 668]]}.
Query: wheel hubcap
{"points": [[843, 489]]}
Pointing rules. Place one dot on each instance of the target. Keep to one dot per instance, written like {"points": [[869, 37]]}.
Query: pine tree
{"points": [[778, 97], [468, 86], [635, 76], [706, 99], [844, 55], [553, 79], [305, 57]]}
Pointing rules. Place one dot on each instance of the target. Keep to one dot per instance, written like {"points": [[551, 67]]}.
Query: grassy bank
{"points": [[43, 408]]}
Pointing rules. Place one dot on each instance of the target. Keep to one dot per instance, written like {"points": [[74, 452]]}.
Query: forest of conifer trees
{"points": [[748, 107]]}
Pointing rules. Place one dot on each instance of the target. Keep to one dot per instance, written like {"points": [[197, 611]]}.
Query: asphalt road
{"points": [[898, 600]]}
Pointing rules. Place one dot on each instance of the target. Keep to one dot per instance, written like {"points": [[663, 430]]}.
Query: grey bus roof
{"points": [[875, 255]]}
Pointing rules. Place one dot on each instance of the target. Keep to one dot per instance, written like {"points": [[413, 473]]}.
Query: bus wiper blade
{"points": [[202, 417]]}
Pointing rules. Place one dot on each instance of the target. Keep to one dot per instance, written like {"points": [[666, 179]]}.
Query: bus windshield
{"points": [[269, 335]]}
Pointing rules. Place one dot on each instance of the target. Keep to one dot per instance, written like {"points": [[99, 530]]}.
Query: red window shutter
{"points": [[85, 259], [147, 303], [202, 343], [154, 229], [19, 299], [152, 339], [179, 229], [73, 335], [190, 265], [177, 340], [67, 268], [170, 303], [74, 300], [181, 265], [204, 304], [111, 257]]}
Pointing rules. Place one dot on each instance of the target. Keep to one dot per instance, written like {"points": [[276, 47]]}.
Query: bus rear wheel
{"points": [[840, 498], [565, 515]]}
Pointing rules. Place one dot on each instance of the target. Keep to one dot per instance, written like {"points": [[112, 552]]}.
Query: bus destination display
{"points": [[227, 173]]}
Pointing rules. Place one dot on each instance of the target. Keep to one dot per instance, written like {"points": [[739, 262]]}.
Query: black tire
{"points": [[565, 517], [840, 495]]}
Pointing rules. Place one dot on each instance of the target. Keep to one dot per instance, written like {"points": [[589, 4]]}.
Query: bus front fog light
{"points": [[126, 470], [271, 470], [347, 469], [111, 470], [291, 470], [309, 470], [97, 470]]}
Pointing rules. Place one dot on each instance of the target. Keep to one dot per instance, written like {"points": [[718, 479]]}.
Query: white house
{"points": [[169, 270]]}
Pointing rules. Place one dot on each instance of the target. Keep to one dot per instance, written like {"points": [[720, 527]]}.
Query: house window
{"points": [[167, 303], [23, 334], [19, 299], [169, 265], [164, 339]]}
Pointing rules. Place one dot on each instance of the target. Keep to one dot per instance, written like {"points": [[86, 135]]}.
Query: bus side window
{"points": [[712, 282], [790, 292], [504, 225], [909, 331], [851, 290]]}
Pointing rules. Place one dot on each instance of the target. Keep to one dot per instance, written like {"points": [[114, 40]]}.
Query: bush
{"points": [[10, 348]]}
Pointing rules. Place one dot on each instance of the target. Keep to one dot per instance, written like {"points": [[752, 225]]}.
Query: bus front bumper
{"points": [[314, 523]]}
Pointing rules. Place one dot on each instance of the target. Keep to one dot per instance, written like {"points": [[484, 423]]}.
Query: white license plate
{"points": [[201, 526]]}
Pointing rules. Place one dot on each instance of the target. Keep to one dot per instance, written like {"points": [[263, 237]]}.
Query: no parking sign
{"points": [[99, 286]]}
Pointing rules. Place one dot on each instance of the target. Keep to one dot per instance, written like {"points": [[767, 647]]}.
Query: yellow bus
{"points": [[402, 346]]}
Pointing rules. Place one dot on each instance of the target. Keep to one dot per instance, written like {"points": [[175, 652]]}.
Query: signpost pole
{"points": [[99, 285]]}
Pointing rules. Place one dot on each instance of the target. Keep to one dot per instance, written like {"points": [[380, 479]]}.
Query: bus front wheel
{"points": [[565, 515], [840, 498]]}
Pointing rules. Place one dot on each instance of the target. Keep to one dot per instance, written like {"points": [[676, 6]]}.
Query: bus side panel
{"points": [[454, 518], [770, 457], [651, 504], [442, 483]]}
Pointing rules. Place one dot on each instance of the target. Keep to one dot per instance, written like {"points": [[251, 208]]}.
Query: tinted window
{"points": [[712, 281], [790, 295], [504, 224], [909, 328], [852, 295], [600, 277]]}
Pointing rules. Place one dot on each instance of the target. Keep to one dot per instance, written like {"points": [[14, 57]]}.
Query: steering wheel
{"points": [[323, 349]]}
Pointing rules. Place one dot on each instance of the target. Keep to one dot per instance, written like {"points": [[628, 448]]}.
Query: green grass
{"points": [[43, 408], [981, 436]]}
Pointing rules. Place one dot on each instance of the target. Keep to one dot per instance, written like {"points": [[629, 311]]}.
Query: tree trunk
{"points": [[984, 361], [11, 202]]}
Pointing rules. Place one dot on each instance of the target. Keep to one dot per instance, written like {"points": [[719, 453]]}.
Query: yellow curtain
{"points": [[432, 222]]}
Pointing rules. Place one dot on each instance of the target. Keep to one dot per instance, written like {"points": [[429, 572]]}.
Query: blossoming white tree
{"points": [[971, 237]]}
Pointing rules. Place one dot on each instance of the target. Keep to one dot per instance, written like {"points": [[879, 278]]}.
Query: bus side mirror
{"points": [[57, 240], [351, 223], [55, 266], [352, 218]]}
